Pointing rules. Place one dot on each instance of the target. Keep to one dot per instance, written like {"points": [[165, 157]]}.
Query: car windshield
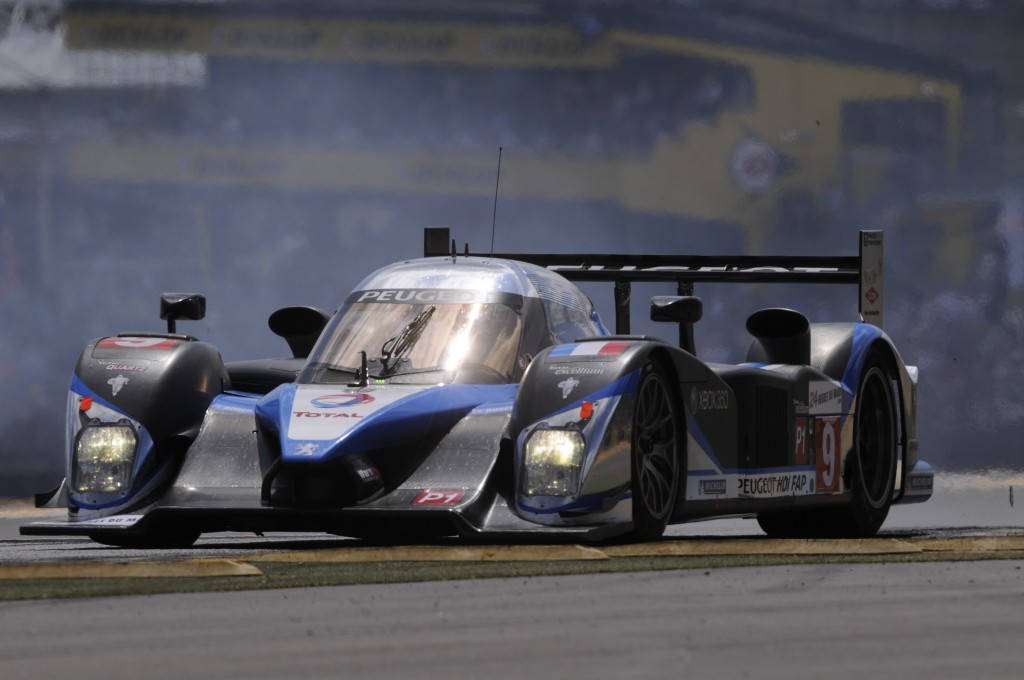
{"points": [[419, 342]]}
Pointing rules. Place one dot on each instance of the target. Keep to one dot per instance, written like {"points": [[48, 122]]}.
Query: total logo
{"points": [[341, 400]]}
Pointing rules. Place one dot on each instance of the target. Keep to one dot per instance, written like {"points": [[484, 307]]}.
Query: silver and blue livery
{"points": [[481, 396]]}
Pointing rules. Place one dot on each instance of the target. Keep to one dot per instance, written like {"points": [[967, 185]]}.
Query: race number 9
{"points": [[827, 440]]}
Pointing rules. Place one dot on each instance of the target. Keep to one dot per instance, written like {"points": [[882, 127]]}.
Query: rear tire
{"points": [[870, 468], [655, 459]]}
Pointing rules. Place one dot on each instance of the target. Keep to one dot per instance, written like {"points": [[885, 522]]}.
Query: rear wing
{"points": [[863, 269]]}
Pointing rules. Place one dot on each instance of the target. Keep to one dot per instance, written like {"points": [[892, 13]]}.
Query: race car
{"points": [[481, 396]]}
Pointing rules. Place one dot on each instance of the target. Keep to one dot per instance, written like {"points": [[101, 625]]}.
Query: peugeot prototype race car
{"points": [[481, 396]]}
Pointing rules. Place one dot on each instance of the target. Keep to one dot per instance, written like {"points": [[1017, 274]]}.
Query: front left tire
{"points": [[655, 454]]}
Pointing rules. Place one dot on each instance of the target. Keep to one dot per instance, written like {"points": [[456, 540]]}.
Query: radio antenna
{"points": [[494, 216]]}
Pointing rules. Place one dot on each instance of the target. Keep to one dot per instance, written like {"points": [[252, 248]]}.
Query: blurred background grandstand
{"points": [[273, 153]]}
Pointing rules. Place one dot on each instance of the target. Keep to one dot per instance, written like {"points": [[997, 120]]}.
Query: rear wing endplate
{"points": [[863, 269]]}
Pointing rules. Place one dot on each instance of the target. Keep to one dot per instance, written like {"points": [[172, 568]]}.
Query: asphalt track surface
{"points": [[939, 618]]}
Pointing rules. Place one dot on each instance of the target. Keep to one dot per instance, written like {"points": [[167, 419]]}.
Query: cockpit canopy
{"points": [[436, 321]]}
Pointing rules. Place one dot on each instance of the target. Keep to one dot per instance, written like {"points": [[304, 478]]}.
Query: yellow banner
{"points": [[283, 168], [466, 44]]}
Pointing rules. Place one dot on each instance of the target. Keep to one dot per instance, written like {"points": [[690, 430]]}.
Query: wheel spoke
{"points": [[657, 487], [657, 469]]}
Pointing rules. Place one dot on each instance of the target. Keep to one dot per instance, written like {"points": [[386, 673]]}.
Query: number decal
{"points": [[828, 457], [827, 431]]}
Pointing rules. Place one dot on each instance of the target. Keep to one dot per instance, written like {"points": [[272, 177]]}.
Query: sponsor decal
{"points": [[708, 400], [492, 409], [439, 497], [573, 370], [826, 434], [116, 521], [314, 414], [139, 343], [872, 295], [590, 349], [319, 413], [341, 400], [424, 296], [824, 396], [126, 368], [567, 386], [773, 485], [712, 487], [726, 268], [306, 449], [368, 474], [922, 483], [117, 383]]}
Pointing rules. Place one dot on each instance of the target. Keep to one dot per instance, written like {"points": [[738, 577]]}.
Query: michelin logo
{"points": [[712, 487]]}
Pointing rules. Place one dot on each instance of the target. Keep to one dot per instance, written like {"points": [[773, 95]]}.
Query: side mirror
{"points": [[678, 309], [174, 306], [684, 310], [300, 327]]}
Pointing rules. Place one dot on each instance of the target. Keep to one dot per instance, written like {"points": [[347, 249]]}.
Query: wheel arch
{"points": [[840, 350]]}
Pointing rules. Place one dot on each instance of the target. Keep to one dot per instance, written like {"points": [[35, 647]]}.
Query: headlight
{"points": [[104, 457], [552, 462]]}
